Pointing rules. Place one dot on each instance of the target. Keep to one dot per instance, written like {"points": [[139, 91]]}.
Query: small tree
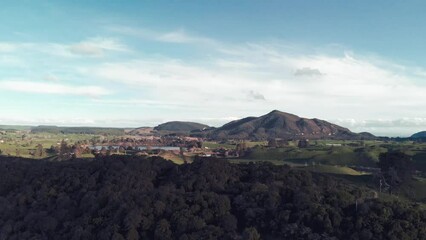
{"points": [[39, 151], [77, 151], [272, 143], [241, 148], [64, 151], [304, 143]]}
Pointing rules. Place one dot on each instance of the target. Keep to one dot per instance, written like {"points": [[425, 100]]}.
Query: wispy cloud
{"points": [[344, 84], [180, 36], [255, 96], [51, 78], [97, 47], [157, 104], [306, 71], [91, 47], [50, 88], [175, 36], [7, 47], [402, 127], [225, 80], [10, 61]]}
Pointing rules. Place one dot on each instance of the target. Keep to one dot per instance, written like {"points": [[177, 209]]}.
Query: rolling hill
{"points": [[141, 131], [419, 135], [77, 130], [180, 127], [278, 124]]}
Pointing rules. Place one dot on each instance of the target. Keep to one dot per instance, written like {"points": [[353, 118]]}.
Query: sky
{"points": [[359, 64]]}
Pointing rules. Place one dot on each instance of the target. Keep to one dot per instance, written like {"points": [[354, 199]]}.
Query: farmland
{"points": [[22, 143]]}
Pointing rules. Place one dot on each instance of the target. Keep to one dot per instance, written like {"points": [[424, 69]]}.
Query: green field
{"points": [[325, 155], [232, 145], [213, 145], [20, 143], [315, 168], [350, 153], [336, 170], [275, 162]]}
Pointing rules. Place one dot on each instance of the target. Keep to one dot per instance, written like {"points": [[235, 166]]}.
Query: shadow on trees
{"points": [[128, 197]]}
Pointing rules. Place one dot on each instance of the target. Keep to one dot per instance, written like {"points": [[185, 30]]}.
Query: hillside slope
{"points": [[419, 135], [141, 131], [278, 124], [177, 126]]}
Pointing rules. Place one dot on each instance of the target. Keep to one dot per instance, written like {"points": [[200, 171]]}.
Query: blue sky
{"points": [[359, 64]]}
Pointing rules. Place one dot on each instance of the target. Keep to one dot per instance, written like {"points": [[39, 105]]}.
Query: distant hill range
{"points": [[278, 124], [15, 127], [180, 127], [419, 135], [77, 130], [275, 124]]}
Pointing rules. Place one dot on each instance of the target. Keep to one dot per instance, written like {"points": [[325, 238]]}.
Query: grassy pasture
{"points": [[232, 145], [21, 143], [317, 168]]}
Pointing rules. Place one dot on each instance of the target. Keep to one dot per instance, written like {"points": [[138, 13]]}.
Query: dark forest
{"points": [[128, 197]]}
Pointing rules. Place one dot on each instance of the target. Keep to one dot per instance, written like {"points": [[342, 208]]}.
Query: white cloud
{"points": [[157, 104], [234, 64], [7, 47], [50, 88], [338, 86], [403, 127], [228, 78], [51, 78], [176, 36], [97, 47], [92, 47], [306, 71], [255, 96], [180, 36], [10, 61]]}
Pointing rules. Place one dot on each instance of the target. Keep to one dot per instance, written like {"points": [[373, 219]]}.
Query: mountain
{"points": [[419, 135], [180, 127], [278, 124]]}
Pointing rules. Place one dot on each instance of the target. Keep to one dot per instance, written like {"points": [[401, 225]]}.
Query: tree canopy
{"points": [[128, 197], [396, 167]]}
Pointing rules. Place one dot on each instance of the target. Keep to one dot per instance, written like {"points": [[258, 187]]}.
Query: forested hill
{"points": [[177, 126], [419, 135], [125, 197], [278, 124]]}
